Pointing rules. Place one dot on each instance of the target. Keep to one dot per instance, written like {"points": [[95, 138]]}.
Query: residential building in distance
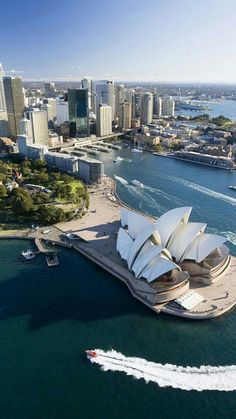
{"points": [[78, 112], [146, 108], [104, 120], [39, 124], [168, 106], [14, 103], [50, 89], [125, 115], [105, 94]]}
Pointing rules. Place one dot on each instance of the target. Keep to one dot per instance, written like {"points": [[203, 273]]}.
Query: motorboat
{"points": [[136, 150], [91, 354], [137, 183], [233, 187], [28, 254]]}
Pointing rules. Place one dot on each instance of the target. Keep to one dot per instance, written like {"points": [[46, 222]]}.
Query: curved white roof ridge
{"points": [[136, 223], [124, 243], [202, 246], [183, 237], [159, 266], [169, 221], [141, 238], [142, 261]]}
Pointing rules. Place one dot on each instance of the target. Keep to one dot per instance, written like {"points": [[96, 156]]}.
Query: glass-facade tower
{"points": [[78, 112]]}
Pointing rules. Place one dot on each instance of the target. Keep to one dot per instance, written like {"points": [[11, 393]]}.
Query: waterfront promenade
{"points": [[94, 236]]}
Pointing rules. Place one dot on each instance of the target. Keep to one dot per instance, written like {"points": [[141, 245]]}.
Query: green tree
{"points": [[3, 191], [21, 202]]}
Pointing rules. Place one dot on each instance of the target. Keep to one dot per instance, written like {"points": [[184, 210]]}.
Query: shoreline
{"points": [[96, 234]]}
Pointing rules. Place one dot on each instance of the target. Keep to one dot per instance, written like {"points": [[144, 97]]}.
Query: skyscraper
{"points": [[168, 106], [2, 95], [87, 84], [130, 97], [157, 105], [39, 126], [14, 103], [50, 89], [125, 115], [146, 108], [105, 94], [49, 105], [119, 98], [78, 112], [104, 120]]}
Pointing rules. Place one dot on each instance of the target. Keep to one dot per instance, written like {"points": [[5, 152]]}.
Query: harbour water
{"points": [[49, 317], [215, 108]]}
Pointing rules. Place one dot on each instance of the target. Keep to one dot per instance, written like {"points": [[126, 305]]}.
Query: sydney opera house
{"points": [[167, 256]]}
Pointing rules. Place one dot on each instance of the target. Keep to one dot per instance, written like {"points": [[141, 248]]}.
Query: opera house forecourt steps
{"points": [[175, 266]]}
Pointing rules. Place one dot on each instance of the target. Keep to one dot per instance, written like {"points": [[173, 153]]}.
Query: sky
{"points": [[130, 40]]}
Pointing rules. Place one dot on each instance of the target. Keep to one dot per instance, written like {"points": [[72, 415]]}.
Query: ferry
{"points": [[28, 254], [91, 354], [233, 187], [137, 183]]}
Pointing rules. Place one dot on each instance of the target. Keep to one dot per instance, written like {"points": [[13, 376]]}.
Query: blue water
{"points": [[216, 108], [50, 316]]}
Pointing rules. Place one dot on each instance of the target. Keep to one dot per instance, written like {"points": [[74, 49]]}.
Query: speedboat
{"points": [[137, 183], [28, 254], [90, 354], [136, 150], [233, 187]]}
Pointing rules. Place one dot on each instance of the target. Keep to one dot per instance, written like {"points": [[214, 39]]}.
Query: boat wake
{"points": [[205, 377], [203, 189], [121, 180]]}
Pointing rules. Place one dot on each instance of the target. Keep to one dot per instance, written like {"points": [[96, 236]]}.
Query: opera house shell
{"points": [[165, 255]]}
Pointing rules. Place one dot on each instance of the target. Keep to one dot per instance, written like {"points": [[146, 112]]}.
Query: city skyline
{"points": [[161, 42]]}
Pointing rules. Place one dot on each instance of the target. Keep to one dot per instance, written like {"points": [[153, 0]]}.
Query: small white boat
{"points": [[233, 187], [28, 254], [137, 183], [136, 150]]}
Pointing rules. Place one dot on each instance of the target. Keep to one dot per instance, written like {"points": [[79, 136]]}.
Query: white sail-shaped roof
{"points": [[159, 266], [136, 223], [183, 237], [141, 238], [202, 246], [124, 217], [168, 222], [124, 243], [143, 260]]}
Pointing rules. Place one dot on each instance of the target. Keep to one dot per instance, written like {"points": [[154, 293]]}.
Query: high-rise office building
{"points": [[119, 98], [49, 105], [2, 95], [157, 105], [14, 103], [105, 94], [104, 120], [26, 130], [62, 111], [39, 125], [130, 97], [87, 84], [146, 108], [168, 106], [50, 89], [78, 112], [3, 113], [125, 115]]}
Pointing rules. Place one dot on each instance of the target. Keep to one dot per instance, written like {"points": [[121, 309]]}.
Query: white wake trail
{"points": [[222, 378], [203, 189], [121, 180]]}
